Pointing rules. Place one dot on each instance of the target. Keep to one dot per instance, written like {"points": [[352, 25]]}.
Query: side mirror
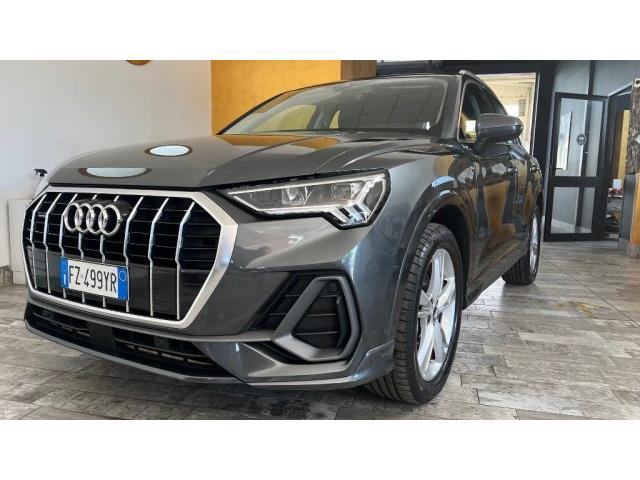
{"points": [[495, 127]]}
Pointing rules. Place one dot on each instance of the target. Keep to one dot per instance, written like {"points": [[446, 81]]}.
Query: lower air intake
{"points": [[170, 354], [314, 318]]}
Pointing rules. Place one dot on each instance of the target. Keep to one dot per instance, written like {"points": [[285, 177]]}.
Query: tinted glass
{"points": [[413, 104], [476, 101]]}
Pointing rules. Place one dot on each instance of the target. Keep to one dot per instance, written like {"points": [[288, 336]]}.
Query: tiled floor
{"points": [[566, 347]]}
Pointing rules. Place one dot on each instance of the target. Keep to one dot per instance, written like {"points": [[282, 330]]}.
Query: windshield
{"points": [[403, 104]]}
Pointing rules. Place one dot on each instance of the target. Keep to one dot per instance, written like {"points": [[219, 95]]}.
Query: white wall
{"points": [[53, 110]]}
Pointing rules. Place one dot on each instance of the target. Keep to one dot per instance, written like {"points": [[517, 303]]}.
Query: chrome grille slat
{"points": [[33, 222], [125, 242], [178, 247], [80, 237], [104, 300], [174, 258], [44, 238], [61, 233], [150, 250]]}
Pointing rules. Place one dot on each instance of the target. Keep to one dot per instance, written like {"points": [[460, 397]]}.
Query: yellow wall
{"points": [[239, 85]]}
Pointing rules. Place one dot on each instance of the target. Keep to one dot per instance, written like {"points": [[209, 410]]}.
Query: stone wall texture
{"points": [[633, 145]]}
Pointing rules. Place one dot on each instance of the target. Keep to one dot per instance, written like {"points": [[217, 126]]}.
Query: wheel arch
{"points": [[450, 209], [451, 216]]}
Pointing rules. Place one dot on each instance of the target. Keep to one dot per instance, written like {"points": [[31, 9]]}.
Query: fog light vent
{"points": [[321, 325], [326, 323]]}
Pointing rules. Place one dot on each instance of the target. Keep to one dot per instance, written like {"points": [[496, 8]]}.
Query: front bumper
{"points": [[228, 331], [242, 358]]}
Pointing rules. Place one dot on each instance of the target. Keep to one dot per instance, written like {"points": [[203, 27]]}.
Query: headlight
{"points": [[347, 201]]}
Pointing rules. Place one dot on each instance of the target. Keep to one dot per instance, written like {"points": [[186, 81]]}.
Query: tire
{"points": [[408, 382], [525, 270]]}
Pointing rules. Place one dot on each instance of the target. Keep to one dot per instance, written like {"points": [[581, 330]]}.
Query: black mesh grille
{"points": [[164, 353], [283, 303], [60, 326], [325, 324], [154, 232]]}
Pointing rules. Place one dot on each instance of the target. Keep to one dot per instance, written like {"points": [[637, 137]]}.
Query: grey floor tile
{"points": [[533, 415], [267, 406], [599, 394], [114, 406], [566, 347], [539, 403], [628, 398], [203, 413], [10, 410], [39, 360], [442, 408], [18, 373], [22, 392], [52, 413], [143, 390]]}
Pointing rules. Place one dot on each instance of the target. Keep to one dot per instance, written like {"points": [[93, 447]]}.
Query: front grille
{"points": [[169, 245], [170, 354]]}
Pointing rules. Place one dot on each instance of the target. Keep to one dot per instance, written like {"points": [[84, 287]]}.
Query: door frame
{"points": [[597, 228], [616, 100]]}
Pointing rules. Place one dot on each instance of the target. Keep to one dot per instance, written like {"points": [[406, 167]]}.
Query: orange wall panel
{"points": [[239, 85]]}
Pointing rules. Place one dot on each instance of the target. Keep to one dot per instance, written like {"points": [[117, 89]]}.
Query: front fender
{"points": [[406, 221]]}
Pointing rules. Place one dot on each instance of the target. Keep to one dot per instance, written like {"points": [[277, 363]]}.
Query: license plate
{"points": [[109, 281]]}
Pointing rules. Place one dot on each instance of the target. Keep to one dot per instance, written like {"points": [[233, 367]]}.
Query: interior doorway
{"points": [[587, 166], [517, 92], [575, 190], [617, 136]]}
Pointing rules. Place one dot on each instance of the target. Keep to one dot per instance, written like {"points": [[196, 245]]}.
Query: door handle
{"points": [[512, 170]]}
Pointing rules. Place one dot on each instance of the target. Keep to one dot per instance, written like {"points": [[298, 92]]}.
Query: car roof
{"points": [[382, 78]]}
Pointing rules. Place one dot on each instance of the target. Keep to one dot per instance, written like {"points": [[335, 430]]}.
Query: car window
{"points": [[475, 102], [497, 106], [296, 117], [402, 104]]}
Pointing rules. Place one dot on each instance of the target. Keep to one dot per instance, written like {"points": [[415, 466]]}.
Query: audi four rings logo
{"points": [[97, 218]]}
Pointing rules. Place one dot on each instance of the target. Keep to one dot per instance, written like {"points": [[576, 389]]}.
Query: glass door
{"points": [[613, 174], [574, 193]]}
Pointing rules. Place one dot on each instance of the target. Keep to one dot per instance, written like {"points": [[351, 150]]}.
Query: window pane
{"points": [[476, 102], [578, 138], [572, 209], [404, 104], [517, 92], [295, 117]]}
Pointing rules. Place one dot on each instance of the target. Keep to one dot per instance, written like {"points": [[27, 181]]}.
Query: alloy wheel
{"points": [[534, 246], [436, 314]]}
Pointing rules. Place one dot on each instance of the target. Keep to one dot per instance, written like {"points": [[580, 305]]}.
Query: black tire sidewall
{"points": [[424, 390]]}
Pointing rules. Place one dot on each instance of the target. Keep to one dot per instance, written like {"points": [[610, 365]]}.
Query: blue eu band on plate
{"points": [[109, 281]]}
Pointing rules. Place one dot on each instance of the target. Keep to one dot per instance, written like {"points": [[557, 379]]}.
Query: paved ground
{"points": [[566, 347]]}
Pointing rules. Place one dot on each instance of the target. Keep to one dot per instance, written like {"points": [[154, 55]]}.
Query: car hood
{"points": [[231, 159]]}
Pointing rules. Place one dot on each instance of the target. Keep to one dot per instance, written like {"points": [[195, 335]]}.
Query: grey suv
{"points": [[328, 238]]}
